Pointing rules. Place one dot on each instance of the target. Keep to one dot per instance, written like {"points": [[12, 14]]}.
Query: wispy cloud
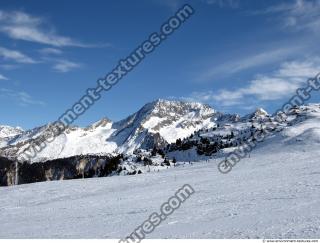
{"points": [[50, 51], [22, 26], [248, 62], [3, 77], [224, 3], [16, 56], [297, 15], [20, 97], [174, 4], [275, 86], [64, 66], [9, 66]]}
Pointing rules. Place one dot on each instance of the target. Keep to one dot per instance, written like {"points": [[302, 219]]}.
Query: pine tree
{"points": [[166, 162], [174, 161]]}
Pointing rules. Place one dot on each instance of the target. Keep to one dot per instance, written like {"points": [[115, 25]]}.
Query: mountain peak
{"points": [[173, 102], [7, 131], [103, 122], [166, 106], [258, 113], [261, 112]]}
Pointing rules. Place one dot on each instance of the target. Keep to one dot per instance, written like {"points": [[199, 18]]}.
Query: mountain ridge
{"points": [[156, 124], [139, 143]]}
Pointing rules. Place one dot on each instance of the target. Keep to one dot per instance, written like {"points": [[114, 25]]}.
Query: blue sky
{"points": [[233, 55]]}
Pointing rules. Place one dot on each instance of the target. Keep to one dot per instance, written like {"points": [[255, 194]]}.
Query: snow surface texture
{"points": [[273, 194]]}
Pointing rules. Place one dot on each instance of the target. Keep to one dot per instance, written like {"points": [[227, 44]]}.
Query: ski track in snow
{"points": [[273, 194]]}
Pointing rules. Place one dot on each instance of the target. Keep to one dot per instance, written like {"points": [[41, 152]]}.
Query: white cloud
{"points": [[252, 61], [298, 14], [50, 51], [64, 66], [224, 3], [16, 56], [21, 97], [3, 77], [22, 26], [278, 85]]}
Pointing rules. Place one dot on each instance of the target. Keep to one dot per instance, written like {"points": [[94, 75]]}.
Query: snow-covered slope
{"points": [[273, 194], [228, 136]]}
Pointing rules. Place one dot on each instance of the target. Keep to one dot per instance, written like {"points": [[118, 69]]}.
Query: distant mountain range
{"points": [[156, 124], [159, 134]]}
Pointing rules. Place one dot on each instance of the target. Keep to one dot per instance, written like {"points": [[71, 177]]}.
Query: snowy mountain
{"points": [[258, 114], [156, 137], [7, 131], [156, 124], [161, 123], [228, 136]]}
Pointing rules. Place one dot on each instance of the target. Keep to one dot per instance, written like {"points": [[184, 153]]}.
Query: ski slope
{"points": [[273, 194]]}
